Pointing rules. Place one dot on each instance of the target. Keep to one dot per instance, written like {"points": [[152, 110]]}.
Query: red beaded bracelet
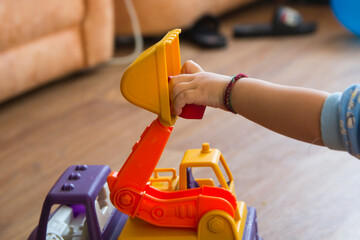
{"points": [[227, 93]]}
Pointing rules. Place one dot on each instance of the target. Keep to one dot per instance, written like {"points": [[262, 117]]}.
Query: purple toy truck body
{"points": [[79, 187]]}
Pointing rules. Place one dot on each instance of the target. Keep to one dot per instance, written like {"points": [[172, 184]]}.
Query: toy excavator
{"points": [[160, 207], [211, 210]]}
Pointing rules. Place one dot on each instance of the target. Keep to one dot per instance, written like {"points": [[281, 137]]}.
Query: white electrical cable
{"points": [[139, 42]]}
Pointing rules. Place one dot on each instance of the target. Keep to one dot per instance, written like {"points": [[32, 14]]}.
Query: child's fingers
{"points": [[178, 84], [183, 98], [181, 78], [181, 87], [191, 67]]}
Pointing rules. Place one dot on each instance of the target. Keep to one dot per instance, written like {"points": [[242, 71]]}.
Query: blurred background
{"points": [[61, 63]]}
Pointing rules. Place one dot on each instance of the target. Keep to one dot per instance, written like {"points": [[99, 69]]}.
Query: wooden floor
{"points": [[300, 191]]}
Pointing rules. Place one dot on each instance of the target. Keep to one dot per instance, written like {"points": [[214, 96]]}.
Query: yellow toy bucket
{"points": [[145, 81]]}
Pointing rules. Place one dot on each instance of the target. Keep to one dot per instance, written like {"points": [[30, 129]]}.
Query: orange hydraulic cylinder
{"points": [[139, 166]]}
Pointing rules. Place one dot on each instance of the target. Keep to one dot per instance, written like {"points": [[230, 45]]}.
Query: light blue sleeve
{"points": [[330, 128], [349, 114], [340, 121]]}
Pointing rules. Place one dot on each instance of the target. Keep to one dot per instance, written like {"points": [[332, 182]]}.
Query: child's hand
{"points": [[194, 86]]}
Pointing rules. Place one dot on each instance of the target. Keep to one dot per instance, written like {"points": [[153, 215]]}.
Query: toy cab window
{"points": [[207, 176], [103, 206], [223, 171], [67, 222]]}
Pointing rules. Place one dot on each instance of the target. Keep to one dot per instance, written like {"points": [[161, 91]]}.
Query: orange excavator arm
{"points": [[139, 166], [127, 185], [131, 194]]}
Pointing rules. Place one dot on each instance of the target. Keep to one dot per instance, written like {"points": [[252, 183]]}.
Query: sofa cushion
{"points": [[30, 65], [23, 20]]}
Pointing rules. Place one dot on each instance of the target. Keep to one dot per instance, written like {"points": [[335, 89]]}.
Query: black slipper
{"points": [[205, 33], [286, 21]]}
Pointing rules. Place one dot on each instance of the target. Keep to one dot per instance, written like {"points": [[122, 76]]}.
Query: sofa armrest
{"points": [[98, 31]]}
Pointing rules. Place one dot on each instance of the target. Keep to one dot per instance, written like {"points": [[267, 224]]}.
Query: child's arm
{"points": [[292, 111]]}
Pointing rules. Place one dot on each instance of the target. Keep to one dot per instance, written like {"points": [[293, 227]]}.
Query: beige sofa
{"points": [[42, 40]]}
